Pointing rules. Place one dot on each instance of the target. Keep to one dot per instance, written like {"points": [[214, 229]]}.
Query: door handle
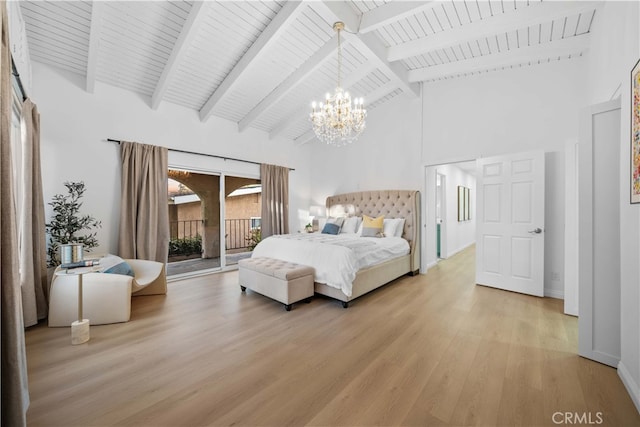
{"points": [[536, 231]]}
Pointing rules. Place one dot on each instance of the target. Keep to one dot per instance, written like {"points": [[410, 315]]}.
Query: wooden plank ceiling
{"points": [[261, 63]]}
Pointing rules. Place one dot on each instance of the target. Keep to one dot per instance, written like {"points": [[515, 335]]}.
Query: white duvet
{"points": [[336, 259]]}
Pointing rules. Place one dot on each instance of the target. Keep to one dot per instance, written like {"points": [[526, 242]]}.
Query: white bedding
{"points": [[336, 258]]}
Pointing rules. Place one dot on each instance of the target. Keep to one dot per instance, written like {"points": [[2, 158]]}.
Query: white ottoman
{"points": [[282, 281]]}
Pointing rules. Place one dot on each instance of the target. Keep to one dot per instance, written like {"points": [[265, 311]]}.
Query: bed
{"points": [[317, 249]]}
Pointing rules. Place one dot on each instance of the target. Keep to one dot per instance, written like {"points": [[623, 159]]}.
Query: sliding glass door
{"points": [[194, 222], [214, 220]]}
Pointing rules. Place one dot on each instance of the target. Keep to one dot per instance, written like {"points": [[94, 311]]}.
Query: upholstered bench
{"points": [[282, 281]]}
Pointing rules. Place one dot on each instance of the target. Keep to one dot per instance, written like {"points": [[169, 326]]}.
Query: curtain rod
{"points": [[117, 141], [15, 73]]}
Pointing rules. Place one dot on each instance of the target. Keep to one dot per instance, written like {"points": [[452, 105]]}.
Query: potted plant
{"points": [[254, 237], [67, 222], [308, 228]]}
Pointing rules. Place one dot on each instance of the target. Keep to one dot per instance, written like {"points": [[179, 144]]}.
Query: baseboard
{"points": [[553, 293], [630, 385], [571, 311], [460, 249]]}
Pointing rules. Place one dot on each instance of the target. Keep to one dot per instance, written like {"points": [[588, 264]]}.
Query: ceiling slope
{"points": [[261, 63]]}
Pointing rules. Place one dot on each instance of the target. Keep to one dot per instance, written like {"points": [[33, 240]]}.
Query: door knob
{"points": [[536, 231]]}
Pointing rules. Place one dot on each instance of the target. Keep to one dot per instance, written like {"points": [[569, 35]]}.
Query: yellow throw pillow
{"points": [[372, 227]]}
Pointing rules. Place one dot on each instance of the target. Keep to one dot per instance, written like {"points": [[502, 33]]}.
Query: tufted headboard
{"points": [[391, 204]]}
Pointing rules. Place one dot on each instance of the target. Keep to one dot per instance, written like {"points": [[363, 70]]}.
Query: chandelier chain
{"points": [[339, 60]]}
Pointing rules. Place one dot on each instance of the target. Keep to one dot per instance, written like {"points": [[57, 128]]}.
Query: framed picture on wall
{"points": [[460, 203], [467, 215], [635, 133]]}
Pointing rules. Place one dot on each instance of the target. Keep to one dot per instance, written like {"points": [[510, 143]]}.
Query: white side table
{"points": [[80, 327]]}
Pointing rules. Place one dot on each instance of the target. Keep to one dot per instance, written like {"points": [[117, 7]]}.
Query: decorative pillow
{"points": [[351, 225], [393, 226], [113, 264], [389, 227], [332, 226], [400, 228], [372, 227], [321, 222]]}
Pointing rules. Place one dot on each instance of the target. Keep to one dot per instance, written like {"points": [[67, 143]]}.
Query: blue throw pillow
{"points": [[333, 225], [330, 228], [113, 264], [122, 268]]}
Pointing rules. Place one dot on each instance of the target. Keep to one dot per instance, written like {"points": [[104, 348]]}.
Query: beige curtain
{"points": [[33, 253], [275, 200], [13, 368], [144, 211]]}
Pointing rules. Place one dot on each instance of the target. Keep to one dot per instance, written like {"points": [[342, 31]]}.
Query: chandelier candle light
{"points": [[336, 121]]}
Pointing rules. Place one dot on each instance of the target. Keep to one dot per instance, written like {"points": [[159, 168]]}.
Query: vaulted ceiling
{"points": [[261, 63]]}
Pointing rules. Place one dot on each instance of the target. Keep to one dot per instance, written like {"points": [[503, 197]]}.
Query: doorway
{"points": [[446, 232]]}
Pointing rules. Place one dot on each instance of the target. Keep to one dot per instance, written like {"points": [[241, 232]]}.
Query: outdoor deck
{"points": [[196, 264]]}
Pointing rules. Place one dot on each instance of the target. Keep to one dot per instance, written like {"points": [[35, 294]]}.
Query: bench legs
{"points": [[287, 307], [278, 287]]}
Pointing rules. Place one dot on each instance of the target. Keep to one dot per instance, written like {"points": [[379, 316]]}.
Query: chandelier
{"points": [[336, 121]]}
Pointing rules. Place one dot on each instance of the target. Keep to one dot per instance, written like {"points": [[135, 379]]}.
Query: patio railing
{"points": [[185, 229], [236, 231]]}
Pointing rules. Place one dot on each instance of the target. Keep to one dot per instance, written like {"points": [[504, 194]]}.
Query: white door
{"points": [[599, 233], [510, 223]]}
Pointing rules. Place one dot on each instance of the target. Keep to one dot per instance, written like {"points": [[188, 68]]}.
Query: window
{"points": [[255, 222]]}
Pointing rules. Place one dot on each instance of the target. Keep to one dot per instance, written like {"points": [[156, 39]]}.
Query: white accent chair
{"points": [[106, 297]]}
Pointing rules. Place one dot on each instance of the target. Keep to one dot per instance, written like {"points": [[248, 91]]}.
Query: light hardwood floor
{"points": [[426, 350]]}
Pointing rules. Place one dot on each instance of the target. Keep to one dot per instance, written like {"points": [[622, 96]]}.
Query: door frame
{"points": [[443, 214], [211, 166]]}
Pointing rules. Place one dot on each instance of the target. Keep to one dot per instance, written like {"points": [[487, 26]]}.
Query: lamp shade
{"points": [[317, 211]]}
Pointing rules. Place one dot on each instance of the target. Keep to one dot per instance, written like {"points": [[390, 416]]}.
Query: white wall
{"points": [[531, 108], [75, 125], [615, 49], [386, 156], [554, 214]]}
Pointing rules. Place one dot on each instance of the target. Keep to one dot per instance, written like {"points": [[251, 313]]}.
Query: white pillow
{"points": [[392, 226], [389, 227], [351, 225]]}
